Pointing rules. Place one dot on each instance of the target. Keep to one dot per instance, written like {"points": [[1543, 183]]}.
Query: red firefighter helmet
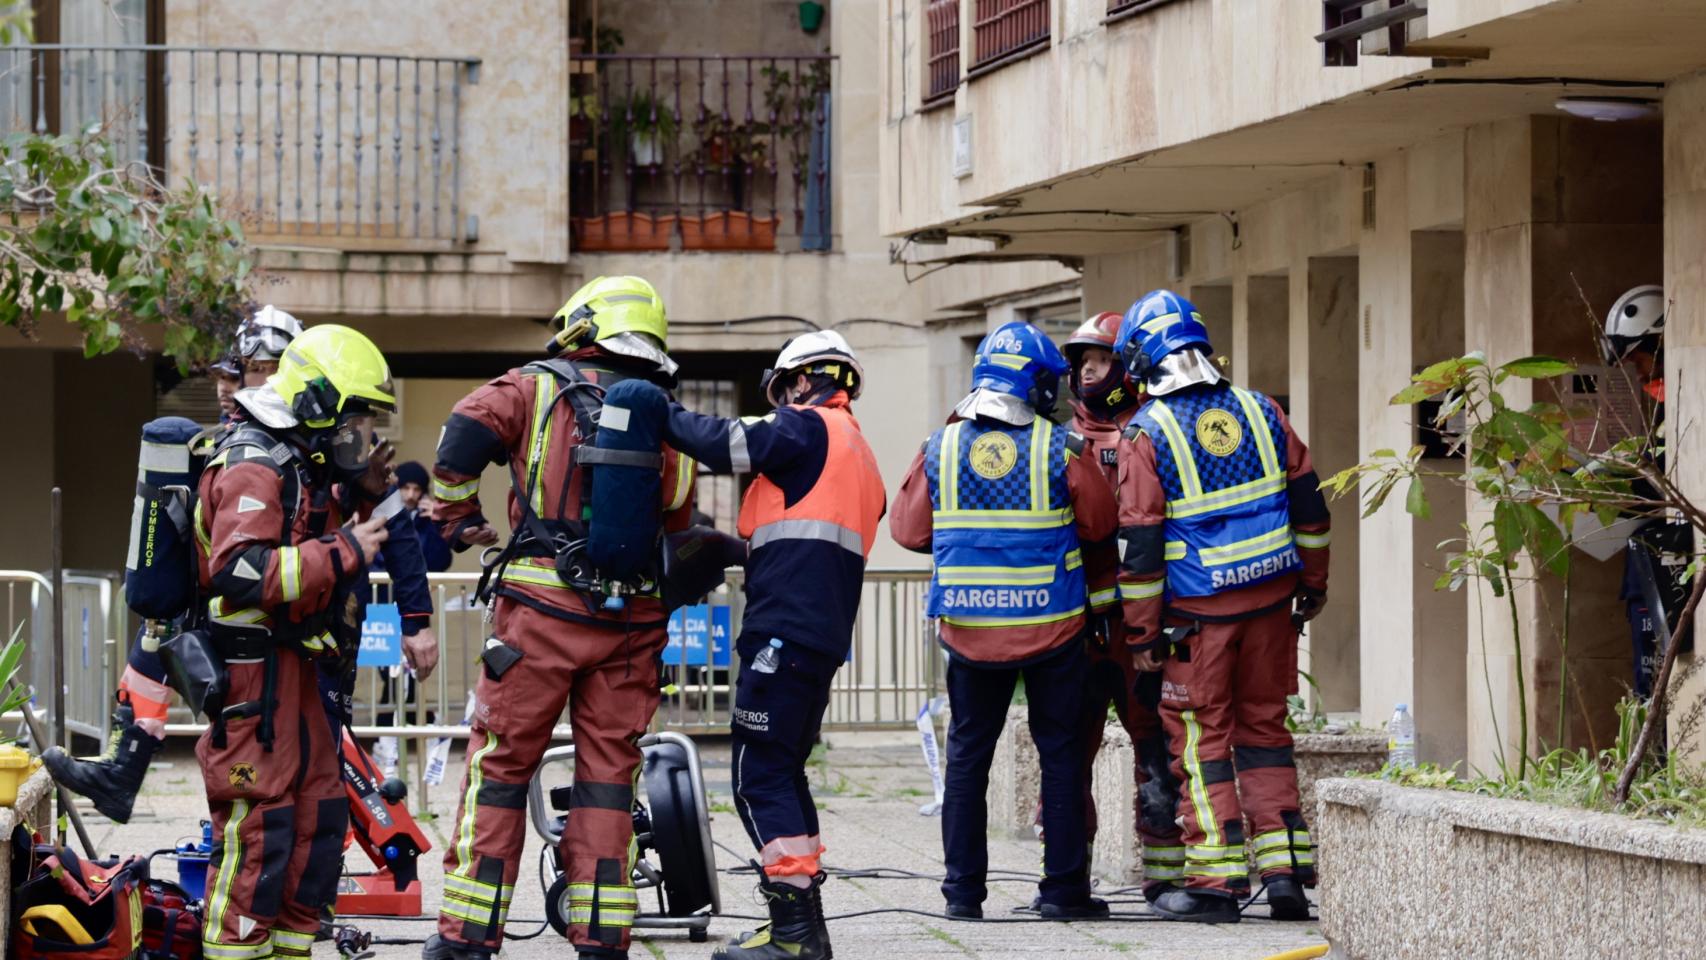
{"points": [[1098, 331]]}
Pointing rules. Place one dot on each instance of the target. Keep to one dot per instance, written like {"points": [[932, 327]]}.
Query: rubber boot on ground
{"points": [[1197, 906], [438, 948], [793, 932], [1286, 899], [113, 779]]}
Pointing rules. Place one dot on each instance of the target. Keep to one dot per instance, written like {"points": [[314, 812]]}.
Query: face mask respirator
{"points": [[352, 443]]}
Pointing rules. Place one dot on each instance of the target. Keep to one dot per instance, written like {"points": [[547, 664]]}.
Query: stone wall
{"points": [[32, 808], [1015, 779], [1457, 875]]}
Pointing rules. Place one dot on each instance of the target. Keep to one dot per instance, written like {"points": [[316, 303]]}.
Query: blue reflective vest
{"points": [[1004, 546], [1220, 455]]}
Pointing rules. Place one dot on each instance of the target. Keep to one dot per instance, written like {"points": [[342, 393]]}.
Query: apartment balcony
{"points": [[674, 152], [307, 147]]}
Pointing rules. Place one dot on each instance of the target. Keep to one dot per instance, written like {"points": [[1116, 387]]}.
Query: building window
{"points": [[1006, 29], [942, 55]]}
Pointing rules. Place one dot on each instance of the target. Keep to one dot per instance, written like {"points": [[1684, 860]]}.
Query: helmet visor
{"points": [[352, 442]]}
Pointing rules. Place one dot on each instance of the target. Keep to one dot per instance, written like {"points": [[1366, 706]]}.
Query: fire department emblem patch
{"points": [[242, 775], [1219, 432], [993, 455]]}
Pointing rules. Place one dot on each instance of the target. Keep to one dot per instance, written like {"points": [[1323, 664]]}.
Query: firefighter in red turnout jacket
{"points": [[810, 519], [1020, 528], [1224, 540], [558, 633], [282, 573], [1103, 404]]}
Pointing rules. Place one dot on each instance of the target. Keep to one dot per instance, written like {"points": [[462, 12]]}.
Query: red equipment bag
{"points": [[75, 909], [171, 922]]}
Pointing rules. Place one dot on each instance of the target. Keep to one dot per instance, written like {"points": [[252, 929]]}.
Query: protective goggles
{"points": [[255, 342]]}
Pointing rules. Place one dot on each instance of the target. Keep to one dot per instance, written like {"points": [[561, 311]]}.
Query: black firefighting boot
{"points": [[1286, 899], [438, 948], [793, 933], [1197, 906], [112, 779]]}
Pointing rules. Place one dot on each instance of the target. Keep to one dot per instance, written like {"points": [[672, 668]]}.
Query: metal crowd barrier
{"points": [[895, 665], [95, 619]]}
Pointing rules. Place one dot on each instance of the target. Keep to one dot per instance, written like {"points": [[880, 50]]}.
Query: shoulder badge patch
{"points": [[993, 455], [1218, 432]]}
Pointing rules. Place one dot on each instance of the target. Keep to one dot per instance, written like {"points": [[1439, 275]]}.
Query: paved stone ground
{"points": [[869, 787]]}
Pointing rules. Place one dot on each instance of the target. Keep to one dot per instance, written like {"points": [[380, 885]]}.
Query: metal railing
{"points": [[298, 142], [94, 620], [894, 668], [942, 55], [704, 152], [1003, 29], [1346, 22]]}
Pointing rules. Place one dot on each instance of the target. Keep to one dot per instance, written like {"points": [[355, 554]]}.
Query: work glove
{"points": [[1307, 606]]}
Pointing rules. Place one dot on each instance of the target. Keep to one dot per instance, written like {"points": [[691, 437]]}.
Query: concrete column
{"points": [[1387, 660], [1441, 617], [26, 383], [1215, 302], [1498, 320], [1544, 229], [1685, 321], [1323, 372], [1260, 335]]}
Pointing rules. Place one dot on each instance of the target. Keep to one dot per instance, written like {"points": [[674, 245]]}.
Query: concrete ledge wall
{"points": [[1015, 779], [33, 808], [1414, 873]]}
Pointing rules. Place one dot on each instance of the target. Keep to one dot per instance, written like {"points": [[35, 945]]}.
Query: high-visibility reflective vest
{"points": [[1220, 456], [843, 508], [1004, 546]]}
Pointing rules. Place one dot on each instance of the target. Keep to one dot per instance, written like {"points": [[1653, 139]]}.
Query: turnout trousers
{"points": [[608, 677], [1111, 678], [777, 717], [278, 816], [1223, 705], [978, 696]]}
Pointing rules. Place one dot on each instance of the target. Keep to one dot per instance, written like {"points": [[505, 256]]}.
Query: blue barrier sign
{"points": [[381, 637], [698, 637]]}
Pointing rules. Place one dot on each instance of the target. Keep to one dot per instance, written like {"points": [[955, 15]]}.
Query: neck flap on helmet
{"points": [[1189, 367], [995, 405], [639, 346]]}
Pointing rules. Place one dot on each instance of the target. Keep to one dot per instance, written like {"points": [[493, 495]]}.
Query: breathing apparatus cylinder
{"points": [[159, 568], [626, 480]]}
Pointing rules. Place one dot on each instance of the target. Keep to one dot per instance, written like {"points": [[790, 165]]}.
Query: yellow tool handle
{"points": [[60, 917]]}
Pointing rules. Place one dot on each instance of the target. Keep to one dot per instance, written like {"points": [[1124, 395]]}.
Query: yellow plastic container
{"points": [[16, 765]]}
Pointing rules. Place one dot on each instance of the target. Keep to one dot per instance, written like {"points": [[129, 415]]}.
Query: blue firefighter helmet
{"points": [[1020, 360], [1158, 325]]}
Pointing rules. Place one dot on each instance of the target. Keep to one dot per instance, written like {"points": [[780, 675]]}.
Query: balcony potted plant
{"points": [[737, 152], [645, 124]]}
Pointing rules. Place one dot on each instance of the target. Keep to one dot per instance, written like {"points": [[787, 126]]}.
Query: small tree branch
{"points": [[1661, 696]]}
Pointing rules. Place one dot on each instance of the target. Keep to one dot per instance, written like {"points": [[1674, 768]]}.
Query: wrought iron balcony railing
{"points": [[298, 143], [1008, 29], [942, 57], [704, 152]]}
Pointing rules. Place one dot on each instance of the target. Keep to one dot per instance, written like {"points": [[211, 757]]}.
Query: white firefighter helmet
{"points": [[264, 335], [1635, 322], [822, 352]]}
